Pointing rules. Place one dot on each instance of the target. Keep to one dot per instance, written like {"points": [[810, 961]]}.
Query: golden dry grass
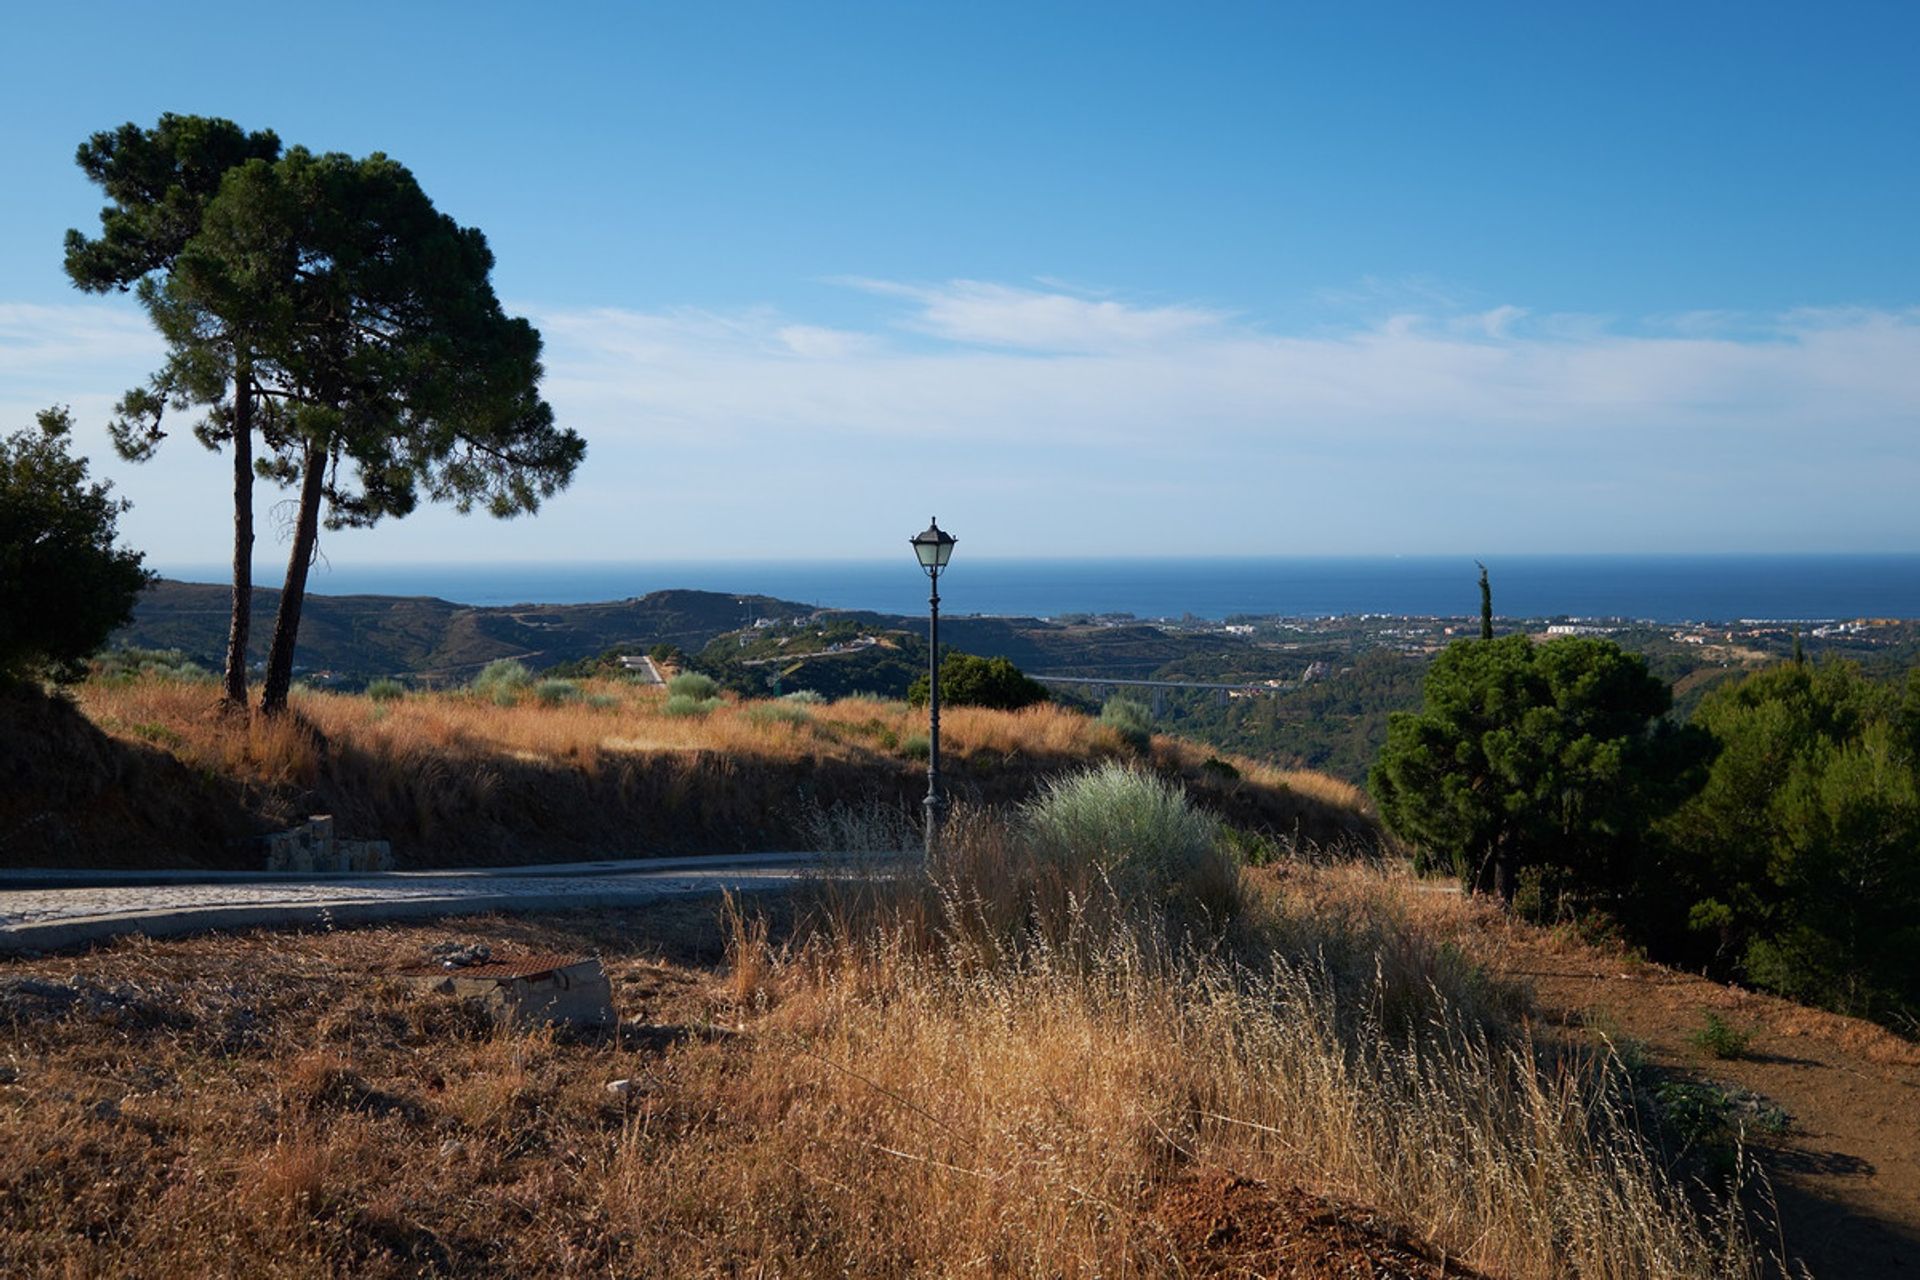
{"points": [[873, 1094], [458, 777]]}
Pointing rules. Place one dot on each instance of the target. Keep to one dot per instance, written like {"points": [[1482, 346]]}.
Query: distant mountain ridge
{"points": [[363, 636], [360, 637]]}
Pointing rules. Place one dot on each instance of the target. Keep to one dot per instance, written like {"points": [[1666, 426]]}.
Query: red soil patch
{"points": [[1220, 1225]]}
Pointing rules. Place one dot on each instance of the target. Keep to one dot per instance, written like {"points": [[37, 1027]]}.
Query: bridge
{"points": [[1099, 687]]}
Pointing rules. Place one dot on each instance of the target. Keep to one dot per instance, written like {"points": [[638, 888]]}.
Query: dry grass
{"points": [[916, 1079], [458, 777], [987, 1071]]}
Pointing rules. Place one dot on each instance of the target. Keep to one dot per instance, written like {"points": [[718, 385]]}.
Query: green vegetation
{"points": [[322, 302], [121, 666], [502, 675], [1336, 723], [1775, 840], [782, 712], [552, 692], [687, 705], [386, 689], [1130, 719], [64, 585], [159, 182], [1798, 863], [969, 681], [693, 686], [1533, 755], [1141, 834], [1719, 1039]]}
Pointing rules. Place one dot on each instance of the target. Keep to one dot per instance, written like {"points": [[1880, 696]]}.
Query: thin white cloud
{"points": [[48, 340], [998, 315], [1182, 424]]}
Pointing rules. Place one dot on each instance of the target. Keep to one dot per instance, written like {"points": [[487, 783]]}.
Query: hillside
{"points": [[356, 638], [360, 637], [147, 772]]}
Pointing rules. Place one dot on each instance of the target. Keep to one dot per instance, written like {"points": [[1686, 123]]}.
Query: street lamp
{"points": [[934, 548]]}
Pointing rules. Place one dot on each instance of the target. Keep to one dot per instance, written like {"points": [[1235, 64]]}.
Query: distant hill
{"points": [[357, 638], [361, 637]]}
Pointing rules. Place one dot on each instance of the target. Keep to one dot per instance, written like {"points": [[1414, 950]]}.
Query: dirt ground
{"points": [[1226, 1226], [1846, 1171], [1844, 1165]]}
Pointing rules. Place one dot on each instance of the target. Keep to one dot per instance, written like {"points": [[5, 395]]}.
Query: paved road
{"points": [[86, 907]]}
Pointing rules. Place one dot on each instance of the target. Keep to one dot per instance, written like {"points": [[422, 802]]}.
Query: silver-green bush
{"points": [[502, 676], [684, 704], [691, 684], [386, 689], [551, 693], [1137, 831]]}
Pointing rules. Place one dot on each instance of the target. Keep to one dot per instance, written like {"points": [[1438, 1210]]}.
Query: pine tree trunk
{"points": [[240, 626], [286, 623]]}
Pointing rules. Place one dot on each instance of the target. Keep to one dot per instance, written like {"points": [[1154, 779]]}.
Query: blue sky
{"points": [[1091, 279]]}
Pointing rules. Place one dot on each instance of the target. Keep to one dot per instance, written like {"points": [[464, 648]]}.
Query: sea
{"points": [[1664, 588]]}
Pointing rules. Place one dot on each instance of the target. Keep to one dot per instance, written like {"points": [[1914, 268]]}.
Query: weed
{"points": [[159, 734], [1131, 720], [386, 689], [554, 693], [1720, 1040], [502, 674], [782, 712], [687, 706]]}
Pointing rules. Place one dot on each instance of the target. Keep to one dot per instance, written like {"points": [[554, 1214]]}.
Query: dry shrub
{"points": [[938, 1073], [992, 1065], [455, 777], [291, 1179]]}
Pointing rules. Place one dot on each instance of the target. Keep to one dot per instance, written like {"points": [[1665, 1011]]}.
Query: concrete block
{"points": [[536, 991]]}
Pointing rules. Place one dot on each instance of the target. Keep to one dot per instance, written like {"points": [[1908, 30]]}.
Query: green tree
{"points": [[969, 681], [379, 343], [1798, 863], [1525, 755], [159, 183], [1486, 604], [64, 585]]}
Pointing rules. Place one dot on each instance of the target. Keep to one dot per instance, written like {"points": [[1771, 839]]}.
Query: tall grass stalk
{"points": [[988, 1065]]}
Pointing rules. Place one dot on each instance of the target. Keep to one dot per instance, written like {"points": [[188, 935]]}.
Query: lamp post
{"points": [[934, 548]]}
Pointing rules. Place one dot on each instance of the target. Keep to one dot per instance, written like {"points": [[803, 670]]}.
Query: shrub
{"points": [[502, 675], [916, 746], [64, 584], [1140, 833], [1719, 1040], [386, 689], [691, 684], [806, 697], [765, 713], [682, 704], [122, 665], [551, 693], [602, 701], [969, 681], [1130, 719]]}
